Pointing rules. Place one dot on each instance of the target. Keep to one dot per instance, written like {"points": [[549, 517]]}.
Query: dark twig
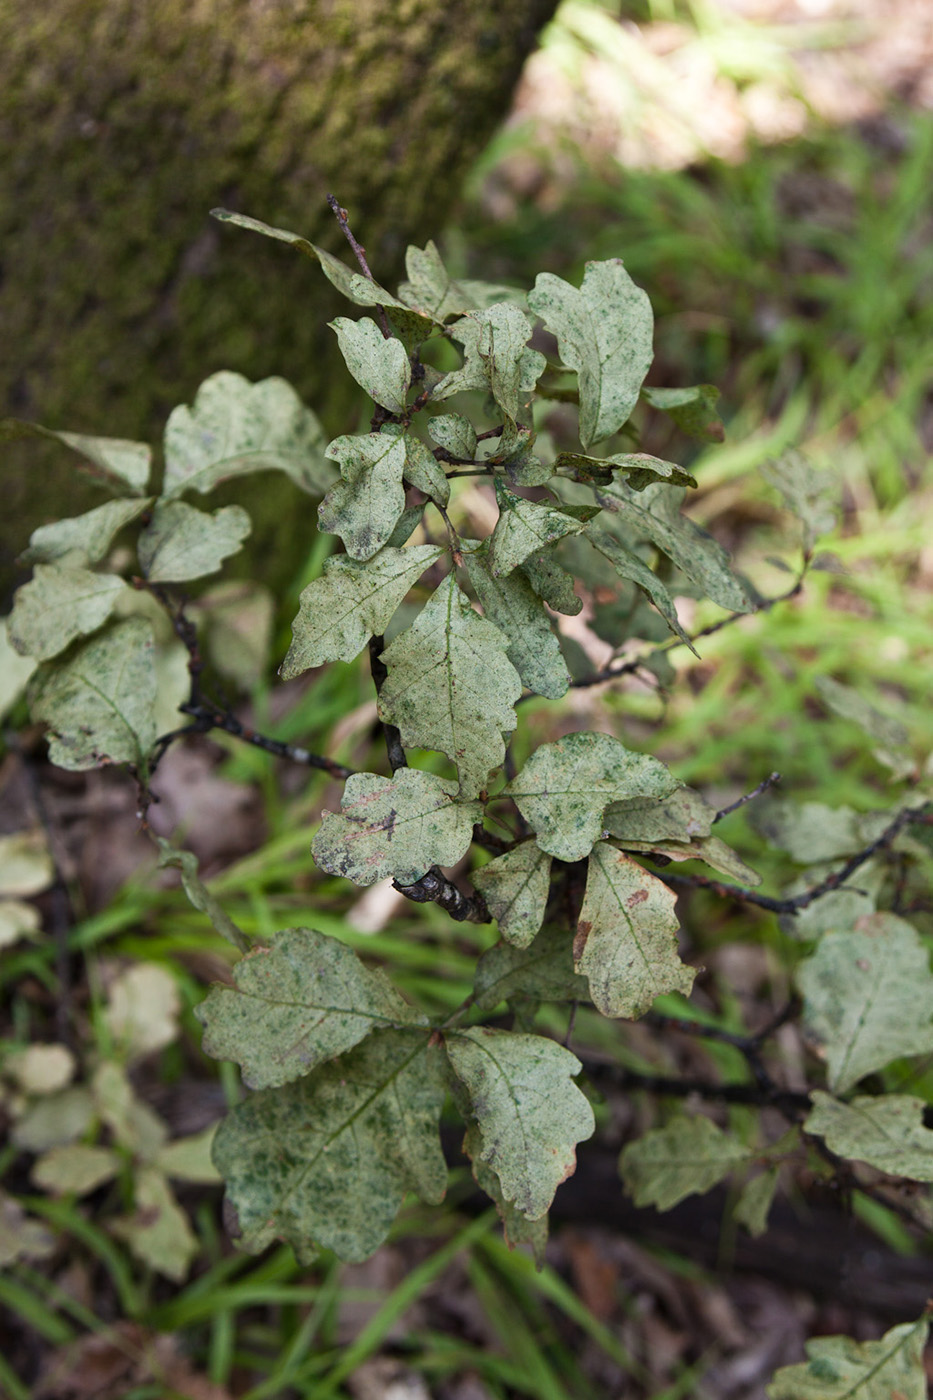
{"points": [[628, 668], [795, 903], [791, 1102], [749, 1046], [359, 252], [435, 888], [769, 782], [394, 749]]}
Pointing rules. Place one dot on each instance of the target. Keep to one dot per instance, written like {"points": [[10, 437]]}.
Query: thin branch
{"points": [[609, 673], [435, 888], [793, 904], [790, 1102], [359, 252], [207, 718], [769, 782], [394, 749]]}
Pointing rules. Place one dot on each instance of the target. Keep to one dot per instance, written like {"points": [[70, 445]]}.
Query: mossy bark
{"points": [[123, 122]]}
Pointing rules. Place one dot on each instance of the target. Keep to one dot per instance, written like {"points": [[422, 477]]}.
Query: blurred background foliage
{"points": [[763, 167]]}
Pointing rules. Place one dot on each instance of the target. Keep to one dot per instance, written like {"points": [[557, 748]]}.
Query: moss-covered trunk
{"points": [[122, 122]]}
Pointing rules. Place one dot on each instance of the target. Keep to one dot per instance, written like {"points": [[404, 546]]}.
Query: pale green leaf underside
{"points": [[83, 539], [116, 463], [849, 704], [394, 828], [626, 942], [693, 409], [496, 358], [529, 1113], [363, 508], [812, 493], [455, 434], [304, 999], [565, 787], [513, 606], [684, 1158], [839, 1368], [158, 1232], [379, 365], [679, 816], [182, 542], [515, 886], [234, 427], [542, 971], [754, 1204], [58, 605], [516, 1228], [431, 288], [886, 1131], [351, 602], [655, 515], [451, 686], [424, 472], [526, 527], [327, 1159], [628, 566], [868, 997], [551, 582], [639, 469], [98, 703], [604, 331], [709, 849], [76, 1168]]}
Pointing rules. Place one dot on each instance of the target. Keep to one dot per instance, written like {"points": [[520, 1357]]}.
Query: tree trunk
{"points": [[123, 122]]}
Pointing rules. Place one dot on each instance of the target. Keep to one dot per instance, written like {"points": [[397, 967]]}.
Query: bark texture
{"points": [[123, 122]]}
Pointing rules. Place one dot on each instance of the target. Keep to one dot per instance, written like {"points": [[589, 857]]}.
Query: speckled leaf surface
{"points": [[654, 515], [639, 469], [455, 434], [679, 816], [868, 997], [604, 331], [709, 849], [394, 828], [182, 542], [351, 602], [234, 427], [839, 1368], [693, 409], [327, 1159], [512, 605], [526, 527], [422, 470], [542, 971], [83, 539], [304, 999], [99, 702], [121, 466], [158, 1232], [628, 566], [379, 365], [515, 1226], [451, 686], [529, 1113], [364, 507], [58, 605], [565, 787], [431, 287], [684, 1158], [496, 358], [515, 886], [886, 1131], [551, 582], [812, 493], [626, 941]]}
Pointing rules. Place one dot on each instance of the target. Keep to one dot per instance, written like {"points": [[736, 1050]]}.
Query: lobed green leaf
{"points": [[604, 331], [626, 941], [304, 999], [566, 786], [515, 887], [379, 365], [684, 1158], [839, 1368], [327, 1159], [886, 1131], [529, 1114], [351, 602], [512, 604], [394, 828], [182, 542], [59, 604], [451, 686], [365, 506]]}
